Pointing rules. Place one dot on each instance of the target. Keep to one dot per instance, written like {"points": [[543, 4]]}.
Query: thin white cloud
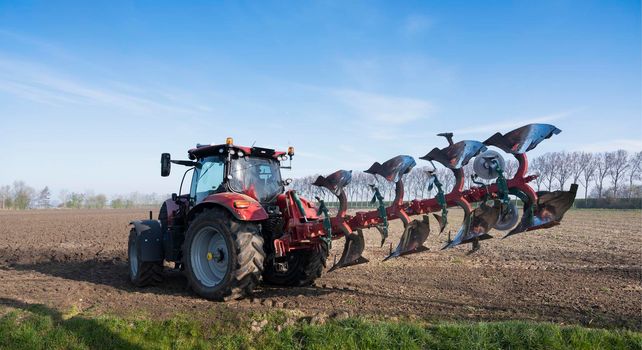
{"points": [[44, 47], [612, 145], [34, 94], [41, 84], [384, 108], [504, 126]]}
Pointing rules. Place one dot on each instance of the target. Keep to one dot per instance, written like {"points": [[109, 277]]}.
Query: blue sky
{"points": [[92, 92]]}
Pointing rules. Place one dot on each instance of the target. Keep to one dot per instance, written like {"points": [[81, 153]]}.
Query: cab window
{"points": [[208, 178]]}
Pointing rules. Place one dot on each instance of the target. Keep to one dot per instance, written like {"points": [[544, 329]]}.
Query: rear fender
{"points": [[242, 207], [174, 209], [149, 236]]}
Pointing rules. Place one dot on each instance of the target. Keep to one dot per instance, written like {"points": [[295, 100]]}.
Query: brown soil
{"points": [[585, 271]]}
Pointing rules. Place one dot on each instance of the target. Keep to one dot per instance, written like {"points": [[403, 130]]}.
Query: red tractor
{"points": [[218, 232], [239, 225]]}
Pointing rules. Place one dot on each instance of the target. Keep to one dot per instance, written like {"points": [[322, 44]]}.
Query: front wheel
{"points": [[223, 257]]}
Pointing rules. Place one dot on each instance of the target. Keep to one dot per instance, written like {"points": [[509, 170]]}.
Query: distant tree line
{"points": [[138, 200], [21, 196], [606, 175], [601, 175]]}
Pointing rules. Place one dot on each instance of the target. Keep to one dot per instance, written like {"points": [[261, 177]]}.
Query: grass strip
{"points": [[38, 327]]}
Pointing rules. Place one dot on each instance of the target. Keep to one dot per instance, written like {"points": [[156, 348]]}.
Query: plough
{"points": [[495, 210]]}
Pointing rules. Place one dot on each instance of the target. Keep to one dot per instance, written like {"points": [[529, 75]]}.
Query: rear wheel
{"points": [[303, 267], [142, 273], [223, 257]]}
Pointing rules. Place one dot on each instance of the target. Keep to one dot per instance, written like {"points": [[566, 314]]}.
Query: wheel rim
{"points": [[133, 257], [509, 221], [209, 256]]}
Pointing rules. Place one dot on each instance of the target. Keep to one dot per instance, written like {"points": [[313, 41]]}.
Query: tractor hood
{"points": [[243, 207]]}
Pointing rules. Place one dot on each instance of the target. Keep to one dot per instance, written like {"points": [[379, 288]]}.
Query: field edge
{"points": [[40, 327]]}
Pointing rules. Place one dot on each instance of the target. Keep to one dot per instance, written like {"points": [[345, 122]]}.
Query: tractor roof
{"points": [[207, 150]]}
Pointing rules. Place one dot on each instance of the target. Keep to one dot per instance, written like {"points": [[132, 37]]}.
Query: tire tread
{"points": [[249, 252]]}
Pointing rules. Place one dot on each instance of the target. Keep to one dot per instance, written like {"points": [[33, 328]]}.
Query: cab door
{"points": [[208, 178]]}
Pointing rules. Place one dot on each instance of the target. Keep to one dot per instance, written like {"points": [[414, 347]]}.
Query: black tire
{"points": [[142, 274], [303, 268], [243, 245]]}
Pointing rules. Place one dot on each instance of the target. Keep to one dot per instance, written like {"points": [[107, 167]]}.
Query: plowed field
{"points": [[586, 271]]}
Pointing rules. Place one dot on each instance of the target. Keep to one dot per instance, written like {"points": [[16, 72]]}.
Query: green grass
{"points": [[37, 327]]}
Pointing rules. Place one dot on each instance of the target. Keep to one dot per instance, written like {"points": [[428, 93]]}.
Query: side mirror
{"points": [[287, 181], [166, 166]]}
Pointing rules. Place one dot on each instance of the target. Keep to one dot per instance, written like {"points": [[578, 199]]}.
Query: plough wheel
{"points": [[302, 269], [223, 257]]}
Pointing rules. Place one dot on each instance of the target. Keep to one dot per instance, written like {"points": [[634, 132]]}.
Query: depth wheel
{"points": [[508, 221], [141, 273], [223, 257]]}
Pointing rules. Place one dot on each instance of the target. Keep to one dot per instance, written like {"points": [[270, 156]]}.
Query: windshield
{"points": [[207, 178], [257, 177]]}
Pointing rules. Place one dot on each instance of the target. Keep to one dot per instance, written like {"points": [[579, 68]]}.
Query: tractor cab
{"points": [[251, 171]]}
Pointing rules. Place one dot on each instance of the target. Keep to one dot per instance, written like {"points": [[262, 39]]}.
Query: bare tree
{"points": [[602, 167], [618, 165], [410, 182], [23, 195], [536, 169], [561, 167], [577, 165], [76, 200], [635, 171], [590, 165], [446, 178], [5, 197], [63, 196], [510, 168], [547, 169], [387, 188], [98, 201]]}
